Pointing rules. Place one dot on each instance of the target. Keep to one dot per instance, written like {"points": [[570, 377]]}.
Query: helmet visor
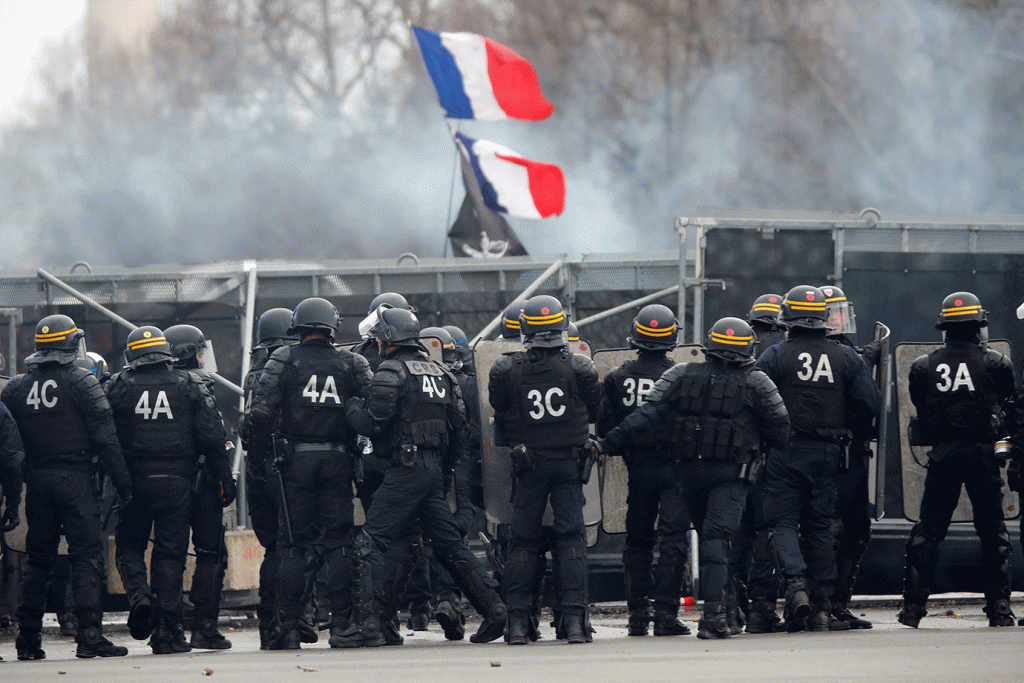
{"points": [[206, 357], [367, 324], [841, 319]]}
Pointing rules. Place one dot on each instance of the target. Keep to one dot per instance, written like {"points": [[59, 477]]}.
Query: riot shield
{"points": [[615, 480], [914, 459], [497, 473], [883, 378]]}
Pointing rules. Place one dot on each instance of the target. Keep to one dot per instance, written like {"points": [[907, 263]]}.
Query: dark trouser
{"points": [[415, 493], [800, 501], [975, 468], [318, 489], [654, 494], [54, 498], [715, 497], [161, 504], [262, 495], [753, 561], [853, 524], [418, 590], [207, 522], [559, 479]]}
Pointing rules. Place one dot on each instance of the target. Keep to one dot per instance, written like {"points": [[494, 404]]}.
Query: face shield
{"points": [[841, 319], [367, 324], [81, 352], [206, 357]]}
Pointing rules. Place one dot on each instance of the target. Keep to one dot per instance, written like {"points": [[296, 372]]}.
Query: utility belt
{"points": [[146, 467], [839, 437], [409, 455], [78, 461], [318, 447]]}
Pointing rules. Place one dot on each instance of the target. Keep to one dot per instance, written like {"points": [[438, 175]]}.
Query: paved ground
{"points": [[954, 643]]}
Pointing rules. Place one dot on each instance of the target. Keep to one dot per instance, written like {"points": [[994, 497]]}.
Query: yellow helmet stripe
{"points": [[654, 332], [512, 323], [544, 319], [146, 343], [55, 336], [835, 299], [767, 307], [806, 305], [966, 310], [724, 339]]}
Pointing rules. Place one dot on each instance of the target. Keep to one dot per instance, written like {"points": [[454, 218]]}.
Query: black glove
{"points": [[228, 491], [255, 467], [10, 519], [1015, 476], [871, 353], [123, 498]]}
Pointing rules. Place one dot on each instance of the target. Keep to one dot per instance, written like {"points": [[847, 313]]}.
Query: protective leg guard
{"points": [[761, 618], [639, 618], [575, 627], [140, 616], [798, 604], [419, 616], [714, 624]]}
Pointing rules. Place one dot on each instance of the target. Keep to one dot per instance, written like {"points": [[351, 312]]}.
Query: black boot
{"points": [[307, 633], [761, 618], [29, 645], [911, 613], [91, 643], [666, 623], [205, 636], [140, 617], [389, 628], [160, 639], [798, 605], [452, 621], [999, 613], [270, 635], [821, 618], [639, 618], [178, 641], [419, 616], [290, 639], [574, 627], [842, 612], [518, 629], [714, 624], [366, 632]]}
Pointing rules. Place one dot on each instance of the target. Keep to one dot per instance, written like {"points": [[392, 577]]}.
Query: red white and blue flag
{"points": [[510, 183], [478, 78]]}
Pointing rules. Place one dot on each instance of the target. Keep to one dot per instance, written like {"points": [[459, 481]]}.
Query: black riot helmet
{"points": [[766, 308], [731, 339], [58, 332], [510, 319], [185, 341], [392, 299], [396, 326], [573, 332], [272, 328], [841, 318], [438, 336], [653, 329], [315, 315], [543, 322], [804, 306], [458, 336], [143, 341], [960, 308]]}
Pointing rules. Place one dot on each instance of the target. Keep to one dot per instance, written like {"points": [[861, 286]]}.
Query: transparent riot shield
{"points": [[876, 468], [614, 479], [914, 459], [497, 472]]}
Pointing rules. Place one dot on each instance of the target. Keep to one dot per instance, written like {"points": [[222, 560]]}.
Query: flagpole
{"points": [[451, 190]]}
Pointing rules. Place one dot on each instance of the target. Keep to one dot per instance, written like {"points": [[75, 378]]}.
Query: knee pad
{"points": [[673, 550]]}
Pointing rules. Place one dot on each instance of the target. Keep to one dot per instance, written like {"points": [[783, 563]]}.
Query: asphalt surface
{"points": [[954, 643]]}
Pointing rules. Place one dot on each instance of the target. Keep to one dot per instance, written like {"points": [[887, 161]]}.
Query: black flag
{"points": [[477, 231]]}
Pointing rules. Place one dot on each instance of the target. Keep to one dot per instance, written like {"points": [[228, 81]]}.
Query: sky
{"points": [[26, 27]]}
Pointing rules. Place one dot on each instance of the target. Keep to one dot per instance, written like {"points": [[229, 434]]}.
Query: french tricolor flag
{"points": [[511, 183], [477, 78]]}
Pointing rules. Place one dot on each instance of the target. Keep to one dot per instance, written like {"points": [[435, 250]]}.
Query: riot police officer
{"points": [[12, 454], [543, 400], [853, 516], [368, 347], [958, 391], [261, 493], [166, 420], [216, 491], [830, 397], [302, 394], [654, 492], [415, 415], [717, 415], [464, 353], [64, 419]]}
